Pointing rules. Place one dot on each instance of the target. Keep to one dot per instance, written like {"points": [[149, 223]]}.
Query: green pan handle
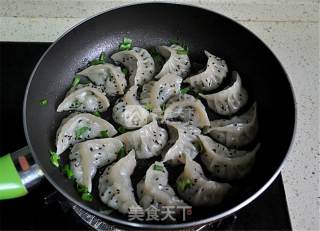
{"points": [[18, 173]]}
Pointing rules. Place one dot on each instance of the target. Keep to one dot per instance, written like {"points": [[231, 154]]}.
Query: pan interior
{"points": [[151, 25]]}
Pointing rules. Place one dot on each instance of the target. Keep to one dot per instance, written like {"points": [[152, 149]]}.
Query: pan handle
{"points": [[18, 173]]}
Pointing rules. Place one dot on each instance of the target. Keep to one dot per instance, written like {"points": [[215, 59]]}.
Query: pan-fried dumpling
{"points": [[84, 98], [193, 186], [229, 100], [177, 63], [115, 187], [225, 163], [156, 93], [212, 77], [154, 190], [185, 143], [147, 141], [139, 63], [87, 156], [128, 112], [107, 76], [79, 127], [186, 109], [237, 131]]}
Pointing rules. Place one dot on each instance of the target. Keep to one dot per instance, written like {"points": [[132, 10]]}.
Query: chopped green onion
{"points": [[43, 102], [104, 134], [87, 196], [81, 131], [124, 47], [125, 71], [126, 44], [101, 60], [55, 158], [148, 107], [127, 40], [182, 51], [122, 152], [67, 170], [103, 57], [96, 113], [122, 130], [157, 167], [81, 188], [76, 80], [106, 211], [181, 43], [183, 184], [184, 90]]}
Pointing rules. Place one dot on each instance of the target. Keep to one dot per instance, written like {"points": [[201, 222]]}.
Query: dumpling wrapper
{"points": [[66, 133], [229, 100], [225, 163], [154, 190], [139, 63], [87, 156], [187, 110], [107, 76], [185, 143], [115, 187], [237, 131], [176, 63], [128, 112], [156, 93], [147, 141], [200, 191], [84, 98], [212, 77]]}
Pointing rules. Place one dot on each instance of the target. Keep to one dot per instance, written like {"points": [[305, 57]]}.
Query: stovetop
{"points": [[44, 208]]}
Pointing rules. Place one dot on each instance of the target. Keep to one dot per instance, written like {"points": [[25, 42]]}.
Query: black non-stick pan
{"points": [[152, 24]]}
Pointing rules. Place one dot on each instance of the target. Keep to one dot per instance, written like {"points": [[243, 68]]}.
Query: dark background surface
{"points": [[17, 60]]}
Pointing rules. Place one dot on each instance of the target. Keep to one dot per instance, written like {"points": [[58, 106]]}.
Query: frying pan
{"points": [[152, 24]]}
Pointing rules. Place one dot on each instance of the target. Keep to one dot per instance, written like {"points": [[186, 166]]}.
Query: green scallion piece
{"points": [[54, 158], [126, 44], [157, 167], [127, 40], [96, 113], [182, 51], [184, 90], [43, 102], [122, 130], [124, 47], [183, 184], [103, 57], [125, 71], [121, 153], [81, 188], [87, 196], [104, 134], [67, 171], [94, 62], [76, 81], [81, 131]]}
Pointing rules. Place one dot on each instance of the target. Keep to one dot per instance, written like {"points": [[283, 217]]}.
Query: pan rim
{"points": [[156, 226]]}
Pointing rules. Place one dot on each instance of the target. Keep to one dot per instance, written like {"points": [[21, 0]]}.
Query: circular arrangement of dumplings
{"points": [[162, 114]]}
